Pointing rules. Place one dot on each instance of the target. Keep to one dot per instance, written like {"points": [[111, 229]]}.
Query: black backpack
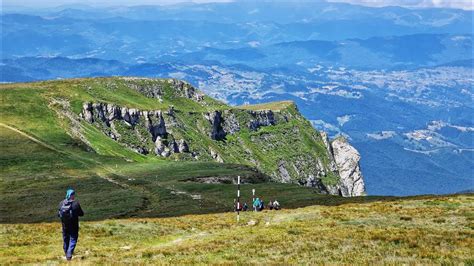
{"points": [[65, 211]]}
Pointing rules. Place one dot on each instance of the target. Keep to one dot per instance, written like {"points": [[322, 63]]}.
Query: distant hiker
{"points": [[262, 205], [276, 205], [69, 212], [237, 206], [246, 207], [256, 204], [270, 205]]}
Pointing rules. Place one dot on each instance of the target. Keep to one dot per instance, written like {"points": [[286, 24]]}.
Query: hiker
{"points": [[276, 205], [69, 212], [270, 205], [246, 207], [256, 204], [237, 206], [262, 205]]}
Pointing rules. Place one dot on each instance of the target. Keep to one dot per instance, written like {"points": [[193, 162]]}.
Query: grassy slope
{"points": [[419, 230], [146, 187], [39, 176], [274, 106]]}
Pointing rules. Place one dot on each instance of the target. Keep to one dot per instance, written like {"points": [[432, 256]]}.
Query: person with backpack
{"points": [[256, 204], [262, 205], [276, 205], [237, 206], [270, 205], [69, 212]]}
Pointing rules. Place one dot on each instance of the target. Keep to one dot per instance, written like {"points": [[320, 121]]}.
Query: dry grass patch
{"points": [[378, 232]]}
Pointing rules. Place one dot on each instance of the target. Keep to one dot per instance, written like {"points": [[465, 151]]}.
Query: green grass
{"points": [[50, 151], [274, 106], [33, 108], [44, 152], [151, 188], [398, 231]]}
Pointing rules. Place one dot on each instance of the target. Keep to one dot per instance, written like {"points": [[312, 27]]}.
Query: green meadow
{"points": [[418, 230]]}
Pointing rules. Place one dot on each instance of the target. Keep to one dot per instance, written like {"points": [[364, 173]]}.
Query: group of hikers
{"points": [[69, 211], [258, 205]]}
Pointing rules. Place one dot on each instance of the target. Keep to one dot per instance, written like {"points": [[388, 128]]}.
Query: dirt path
{"points": [[26, 135], [74, 156]]}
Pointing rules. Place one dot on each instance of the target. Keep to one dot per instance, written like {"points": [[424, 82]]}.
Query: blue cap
{"points": [[69, 193]]}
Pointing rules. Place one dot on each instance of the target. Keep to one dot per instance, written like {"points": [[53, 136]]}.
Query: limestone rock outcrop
{"points": [[141, 127], [277, 141], [261, 118], [217, 131], [347, 159]]}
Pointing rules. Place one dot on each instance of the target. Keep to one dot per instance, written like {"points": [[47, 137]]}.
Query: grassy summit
{"points": [[274, 106], [417, 230]]}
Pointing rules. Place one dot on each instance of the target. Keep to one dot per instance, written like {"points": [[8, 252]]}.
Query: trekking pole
{"points": [[238, 198]]}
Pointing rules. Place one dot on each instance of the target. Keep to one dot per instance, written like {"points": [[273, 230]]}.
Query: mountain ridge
{"points": [[176, 121], [246, 130]]}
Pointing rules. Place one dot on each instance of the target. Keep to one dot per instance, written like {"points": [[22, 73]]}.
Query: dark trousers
{"points": [[70, 237]]}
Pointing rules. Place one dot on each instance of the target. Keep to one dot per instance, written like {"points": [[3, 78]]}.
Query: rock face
{"points": [[285, 176], [155, 123], [329, 148], [135, 128], [216, 120], [231, 123], [280, 143], [183, 146], [156, 90], [261, 118], [185, 90], [347, 159]]}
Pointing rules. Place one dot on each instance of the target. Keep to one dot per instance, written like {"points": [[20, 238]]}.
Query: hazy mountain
{"points": [[398, 82]]}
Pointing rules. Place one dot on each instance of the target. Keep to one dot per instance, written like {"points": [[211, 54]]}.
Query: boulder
{"points": [[215, 156], [183, 146]]}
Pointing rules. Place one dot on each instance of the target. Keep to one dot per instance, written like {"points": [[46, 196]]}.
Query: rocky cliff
{"points": [[273, 138], [345, 158]]}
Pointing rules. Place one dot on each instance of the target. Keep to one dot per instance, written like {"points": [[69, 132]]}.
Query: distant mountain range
{"points": [[398, 82]]}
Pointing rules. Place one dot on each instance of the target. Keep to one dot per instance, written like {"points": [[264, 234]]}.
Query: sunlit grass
{"points": [[274, 106], [409, 231]]}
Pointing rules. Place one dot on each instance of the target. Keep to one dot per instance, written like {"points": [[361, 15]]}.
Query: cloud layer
{"points": [[53, 3], [463, 4]]}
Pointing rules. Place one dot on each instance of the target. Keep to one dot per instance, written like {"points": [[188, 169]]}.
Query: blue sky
{"points": [[464, 4]]}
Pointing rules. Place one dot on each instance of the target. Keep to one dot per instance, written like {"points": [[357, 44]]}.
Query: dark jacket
{"points": [[73, 224]]}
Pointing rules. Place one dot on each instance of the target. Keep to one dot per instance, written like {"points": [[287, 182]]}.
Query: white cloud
{"points": [[53, 3], [462, 4]]}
